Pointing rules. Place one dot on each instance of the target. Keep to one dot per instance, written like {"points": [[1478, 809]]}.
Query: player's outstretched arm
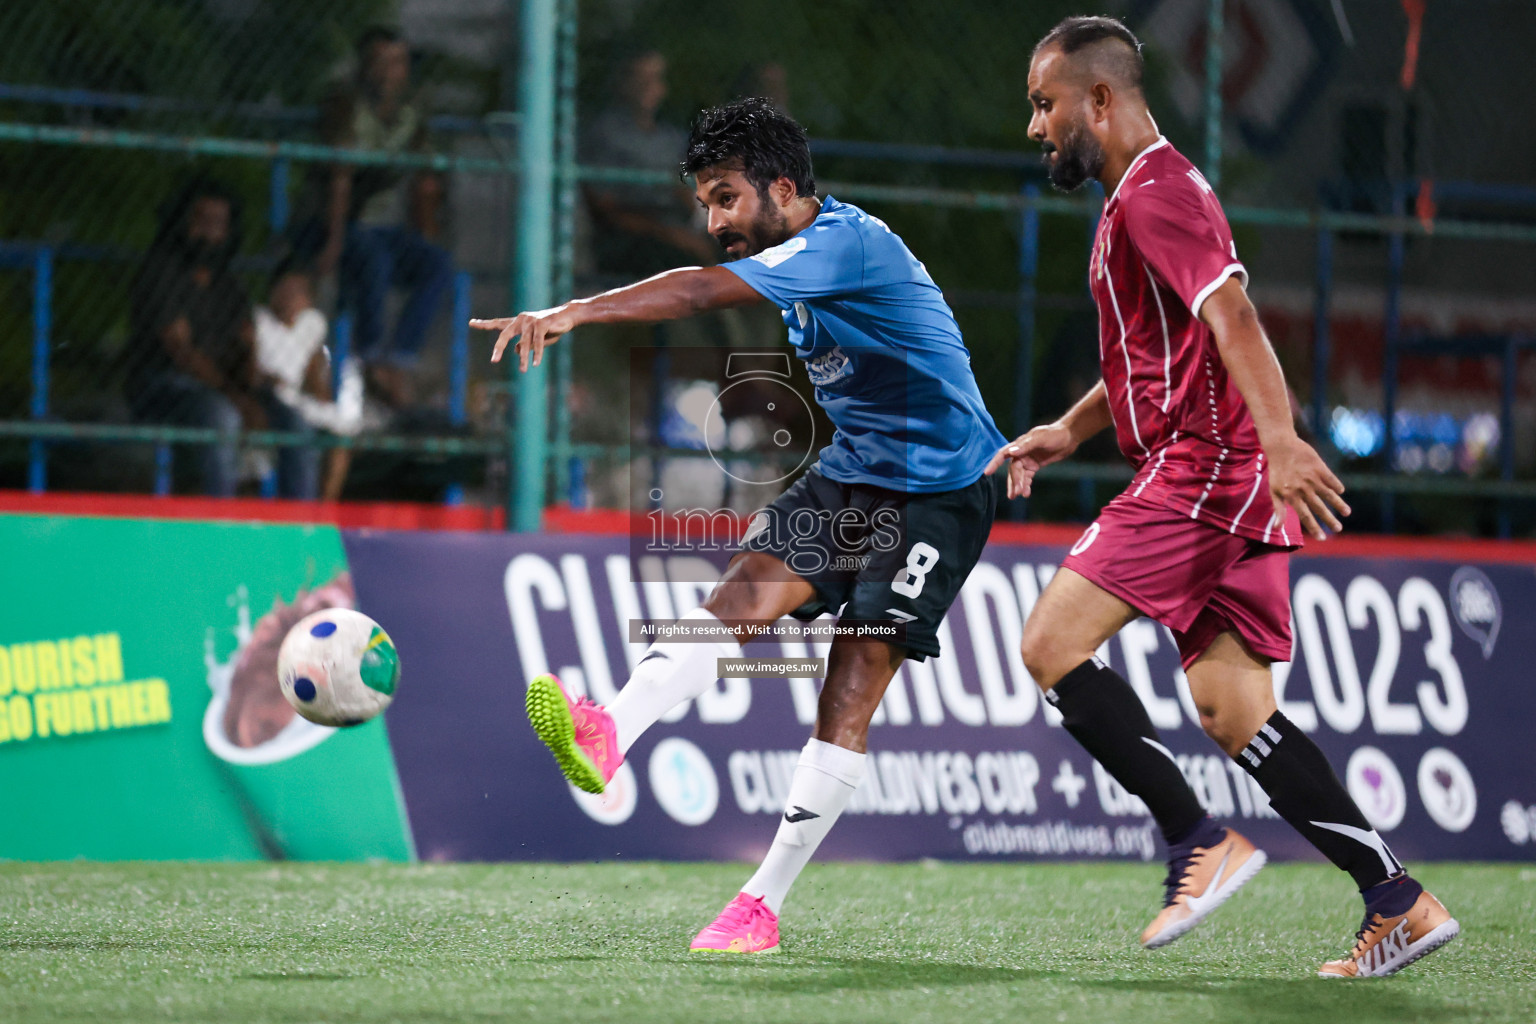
{"points": [[1051, 442], [1298, 476], [667, 296]]}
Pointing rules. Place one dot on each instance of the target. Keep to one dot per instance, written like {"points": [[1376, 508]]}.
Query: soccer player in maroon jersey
{"points": [[1200, 539]]}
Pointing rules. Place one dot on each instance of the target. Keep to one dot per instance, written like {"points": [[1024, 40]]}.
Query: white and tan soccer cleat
{"points": [[1200, 881], [1385, 945]]}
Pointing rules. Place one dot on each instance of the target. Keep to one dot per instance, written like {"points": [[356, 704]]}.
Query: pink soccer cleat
{"points": [[746, 925], [579, 733]]}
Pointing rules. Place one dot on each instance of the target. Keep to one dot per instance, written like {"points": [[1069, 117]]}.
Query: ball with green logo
{"points": [[338, 667]]}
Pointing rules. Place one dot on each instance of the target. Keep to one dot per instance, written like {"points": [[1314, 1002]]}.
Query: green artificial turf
{"points": [[608, 942]]}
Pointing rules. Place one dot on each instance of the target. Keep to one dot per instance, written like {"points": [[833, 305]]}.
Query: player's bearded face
{"points": [[760, 225], [1078, 157]]}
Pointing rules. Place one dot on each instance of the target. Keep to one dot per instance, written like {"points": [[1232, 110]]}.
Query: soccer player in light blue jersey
{"points": [[893, 515]]}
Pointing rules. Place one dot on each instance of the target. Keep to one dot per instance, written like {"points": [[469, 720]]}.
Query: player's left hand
{"points": [[1045, 444], [1300, 479], [534, 332]]}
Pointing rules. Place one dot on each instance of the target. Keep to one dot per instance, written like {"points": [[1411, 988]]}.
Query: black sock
{"points": [[1395, 896], [1304, 790], [1205, 832], [1103, 713]]}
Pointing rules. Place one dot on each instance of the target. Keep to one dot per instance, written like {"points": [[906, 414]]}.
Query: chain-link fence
{"points": [[219, 219], [297, 159]]}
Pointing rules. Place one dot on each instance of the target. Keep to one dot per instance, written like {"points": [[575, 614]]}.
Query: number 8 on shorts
{"points": [[920, 559]]}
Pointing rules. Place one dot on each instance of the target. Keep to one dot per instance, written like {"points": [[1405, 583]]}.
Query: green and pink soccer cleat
{"points": [[746, 925], [578, 732]]}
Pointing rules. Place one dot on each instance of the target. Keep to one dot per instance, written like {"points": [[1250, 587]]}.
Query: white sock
{"points": [[825, 778], [669, 673]]}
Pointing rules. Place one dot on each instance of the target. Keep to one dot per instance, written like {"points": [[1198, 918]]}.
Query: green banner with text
{"points": [[139, 712]]}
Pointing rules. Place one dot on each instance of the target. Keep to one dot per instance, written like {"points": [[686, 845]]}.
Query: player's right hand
{"points": [[1300, 479], [1026, 454], [534, 332]]}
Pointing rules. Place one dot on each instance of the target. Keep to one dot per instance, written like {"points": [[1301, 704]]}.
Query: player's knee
{"points": [[1042, 657], [738, 599], [742, 594], [753, 587], [1223, 731]]}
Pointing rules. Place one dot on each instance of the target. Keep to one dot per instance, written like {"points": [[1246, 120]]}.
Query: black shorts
{"points": [[878, 555]]}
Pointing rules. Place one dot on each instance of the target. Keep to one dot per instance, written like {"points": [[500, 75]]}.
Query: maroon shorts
{"points": [[1198, 580]]}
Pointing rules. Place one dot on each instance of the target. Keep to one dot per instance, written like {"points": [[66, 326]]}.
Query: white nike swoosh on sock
{"points": [[1371, 839]]}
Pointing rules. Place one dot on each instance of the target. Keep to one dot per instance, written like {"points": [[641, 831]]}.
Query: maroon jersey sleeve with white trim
{"points": [[1178, 227]]}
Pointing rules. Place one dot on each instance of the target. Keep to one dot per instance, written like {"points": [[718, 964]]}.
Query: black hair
{"points": [[377, 34], [1075, 33], [754, 135]]}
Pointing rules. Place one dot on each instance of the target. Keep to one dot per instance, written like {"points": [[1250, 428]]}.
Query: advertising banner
{"points": [[139, 716], [1406, 672], [139, 711]]}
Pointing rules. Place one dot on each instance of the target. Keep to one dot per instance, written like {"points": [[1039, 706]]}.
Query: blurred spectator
{"points": [[194, 342], [769, 80], [641, 229], [378, 225], [290, 350]]}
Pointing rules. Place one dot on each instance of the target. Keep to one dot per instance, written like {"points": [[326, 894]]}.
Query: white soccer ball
{"points": [[337, 667]]}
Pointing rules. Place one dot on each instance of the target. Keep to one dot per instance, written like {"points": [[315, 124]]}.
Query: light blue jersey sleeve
{"points": [[825, 259]]}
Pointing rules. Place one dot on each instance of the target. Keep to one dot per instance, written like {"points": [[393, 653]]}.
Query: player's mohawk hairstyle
{"points": [[755, 137], [1080, 31]]}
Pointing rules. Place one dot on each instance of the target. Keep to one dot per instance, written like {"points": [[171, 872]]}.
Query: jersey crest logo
{"points": [[829, 367], [779, 253]]}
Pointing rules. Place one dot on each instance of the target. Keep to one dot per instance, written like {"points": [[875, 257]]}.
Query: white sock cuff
{"points": [[844, 765], [729, 648]]}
